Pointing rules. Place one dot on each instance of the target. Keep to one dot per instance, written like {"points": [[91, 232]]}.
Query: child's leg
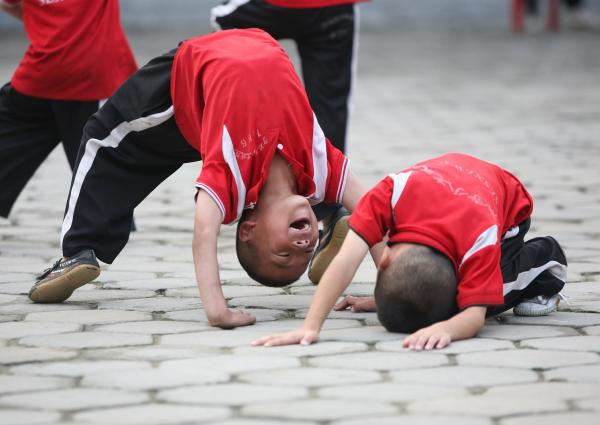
{"points": [[27, 136], [129, 147], [532, 268]]}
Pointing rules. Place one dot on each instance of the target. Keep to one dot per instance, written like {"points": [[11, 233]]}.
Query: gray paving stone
{"points": [[157, 378], [464, 376], [11, 330], [419, 420], [456, 347], [157, 327], [89, 317], [321, 349], [310, 377], [75, 368], [230, 291], [570, 343], [153, 414], [87, 340], [231, 364], [346, 314], [589, 373], [97, 295], [19, 383], [242, 421], [368, 334], [390, 391], [484, 405], [240, 336], [579, 418], [528, 359], [120, 276], [274, 302], [322, 410], [155, 304], [16, 277], [198, 315], [519, 332], [552, 390], [28, 417], [73, 399], [150, 353], [152, 284], [234, 394], [592, 330], [556, 319], [589, 404], [379, 361], [27, 308], [14, 355]]}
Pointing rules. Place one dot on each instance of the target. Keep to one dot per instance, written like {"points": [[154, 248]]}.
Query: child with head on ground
{"points": [[455, 228], [233, 100]]}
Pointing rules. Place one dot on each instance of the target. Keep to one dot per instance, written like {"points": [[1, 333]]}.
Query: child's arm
{"points": [[12, 7], [333, 283], [465, 324], [204, 248], [352, 193]]}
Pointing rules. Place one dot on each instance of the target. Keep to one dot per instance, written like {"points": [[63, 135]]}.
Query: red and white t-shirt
{"points": [[309, 4], [457, 204], [77, 51], [238, 100]]}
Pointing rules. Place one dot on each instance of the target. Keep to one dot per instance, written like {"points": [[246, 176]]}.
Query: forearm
{"points": [[335, 280], [467, 323], [207, 277]]}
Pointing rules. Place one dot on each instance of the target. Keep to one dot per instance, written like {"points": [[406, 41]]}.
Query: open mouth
{"points": [[302, 224]]}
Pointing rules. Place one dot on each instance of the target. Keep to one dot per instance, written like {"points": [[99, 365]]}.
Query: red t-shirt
{"points": [[309, 4], [457, 204], [77, 50], [238, 100]]}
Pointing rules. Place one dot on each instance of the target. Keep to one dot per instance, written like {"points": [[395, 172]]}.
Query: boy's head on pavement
{"points": [[275, 241], [416, 287]]}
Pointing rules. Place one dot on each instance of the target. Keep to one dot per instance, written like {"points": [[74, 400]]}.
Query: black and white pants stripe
{"points": [[532, 268], [129, 147]]}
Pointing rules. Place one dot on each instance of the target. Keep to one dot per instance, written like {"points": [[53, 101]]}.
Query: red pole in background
{"points": [[552, 22], [517, 15]]}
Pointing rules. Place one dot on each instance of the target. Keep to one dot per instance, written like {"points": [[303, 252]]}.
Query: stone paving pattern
{"points": [[134, 347]]}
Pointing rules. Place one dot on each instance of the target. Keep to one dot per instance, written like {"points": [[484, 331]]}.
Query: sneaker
{"points": [[330, 242], [538, 306], [57, 283]]}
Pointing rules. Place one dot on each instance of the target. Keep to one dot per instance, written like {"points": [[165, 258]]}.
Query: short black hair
{"points": [[416, 290], [247, 257]]}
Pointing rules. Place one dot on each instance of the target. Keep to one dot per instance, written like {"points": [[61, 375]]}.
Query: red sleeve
{"points": [[337, 172], [480, 279], [216, 180], [372, 217]]}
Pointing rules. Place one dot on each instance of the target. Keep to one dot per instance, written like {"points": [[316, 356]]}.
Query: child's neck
{"points": [[281, 182]]}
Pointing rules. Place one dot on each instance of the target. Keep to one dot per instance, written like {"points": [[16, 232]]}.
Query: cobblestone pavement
{"points": [[134, 347]]}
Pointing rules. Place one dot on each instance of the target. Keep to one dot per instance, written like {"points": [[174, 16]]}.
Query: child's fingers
{"points": [[344, 304], [431, 342], [443, 342], [263, 340]]}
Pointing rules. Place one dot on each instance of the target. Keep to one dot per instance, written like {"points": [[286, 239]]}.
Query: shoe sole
{"points": [[59, 289], [322, 261], [539, 313]]}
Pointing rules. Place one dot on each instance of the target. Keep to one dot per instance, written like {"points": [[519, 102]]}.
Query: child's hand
{"points": [[434, 336], [299, 336], [233, 319], [357, 304]]}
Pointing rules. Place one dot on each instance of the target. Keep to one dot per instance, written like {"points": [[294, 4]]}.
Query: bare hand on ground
{"points": [[357, 304]]}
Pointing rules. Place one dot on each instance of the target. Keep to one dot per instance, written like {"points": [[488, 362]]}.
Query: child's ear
{"points": [[246, 231], [386, 259]]}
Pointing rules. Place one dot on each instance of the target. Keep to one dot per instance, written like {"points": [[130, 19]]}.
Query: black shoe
{"points": [[330, 243], [57, 283]]}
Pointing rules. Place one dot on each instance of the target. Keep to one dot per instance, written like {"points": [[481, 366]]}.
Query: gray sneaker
{"points": [[538, 306], [57, 283]]}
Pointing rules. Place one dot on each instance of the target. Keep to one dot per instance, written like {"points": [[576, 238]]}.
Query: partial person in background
{"points": [[77, 56], [325, 32]]}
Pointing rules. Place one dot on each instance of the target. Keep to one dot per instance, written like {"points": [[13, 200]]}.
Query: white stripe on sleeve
{"points": [[229, 156], [486, 238], [319, 154]]}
